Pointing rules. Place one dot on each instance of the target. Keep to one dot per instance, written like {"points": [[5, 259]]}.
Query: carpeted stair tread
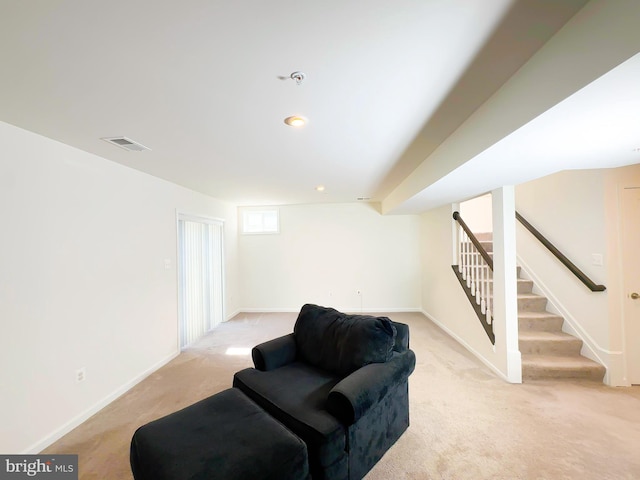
{"points": [[490, 272], [523, 286], [485, 236], [538, 315], [534, 335], [548, 343], [547, 352], [530, 295], [540, 321], [560, 366], [531, 302]]}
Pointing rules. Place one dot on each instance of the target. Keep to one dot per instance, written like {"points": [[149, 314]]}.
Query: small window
{"points": [[260, 221]]}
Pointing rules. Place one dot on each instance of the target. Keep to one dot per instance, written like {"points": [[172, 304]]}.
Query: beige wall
{"points": [[615, 181], [326, 253], [476, 213], [83, 282], [598, 38], [578, 211], [443, 299]]}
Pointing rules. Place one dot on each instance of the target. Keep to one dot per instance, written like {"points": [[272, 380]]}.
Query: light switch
{"points": [[596, 258], [167, 264]]}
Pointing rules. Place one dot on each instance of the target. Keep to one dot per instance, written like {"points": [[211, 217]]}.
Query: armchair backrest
{"points": [[341, 343]]}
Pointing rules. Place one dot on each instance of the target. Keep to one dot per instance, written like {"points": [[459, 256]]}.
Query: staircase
{"points": [[547, 352]]}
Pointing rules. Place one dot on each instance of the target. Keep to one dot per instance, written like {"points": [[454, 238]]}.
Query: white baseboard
{"points": [[231, 315], [269, 310], [339, 308], [76, 421]]}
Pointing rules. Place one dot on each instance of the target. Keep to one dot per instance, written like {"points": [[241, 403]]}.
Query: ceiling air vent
{"points": [[126, 143]]}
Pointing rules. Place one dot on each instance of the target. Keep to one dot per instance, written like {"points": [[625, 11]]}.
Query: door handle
{"points": [[634, 296]]}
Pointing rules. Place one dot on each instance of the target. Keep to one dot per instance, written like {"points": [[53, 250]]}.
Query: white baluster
{"points": [[483, 286], [478, 265], [460, 249], [467, 260]]}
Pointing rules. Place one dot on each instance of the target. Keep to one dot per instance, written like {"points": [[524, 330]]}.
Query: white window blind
{"points": [[201, 278]]}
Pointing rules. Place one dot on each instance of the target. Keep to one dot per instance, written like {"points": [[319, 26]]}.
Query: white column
{"points": [[505, 289], [455, 257]]}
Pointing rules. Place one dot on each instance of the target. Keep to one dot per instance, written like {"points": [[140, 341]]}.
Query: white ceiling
{"points": [[597, 127], [204, 84]]}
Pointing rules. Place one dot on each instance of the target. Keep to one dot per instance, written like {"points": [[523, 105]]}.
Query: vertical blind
{"points": [[201, 274]]}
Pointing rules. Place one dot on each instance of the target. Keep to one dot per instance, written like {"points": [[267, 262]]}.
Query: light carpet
{"points": [[466, 423]]}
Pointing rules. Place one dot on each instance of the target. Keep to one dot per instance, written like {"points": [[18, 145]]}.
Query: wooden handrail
{"points": [[475, 281], [560, 256], [474, 240]]}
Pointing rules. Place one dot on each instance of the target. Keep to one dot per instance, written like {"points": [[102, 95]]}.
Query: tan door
{"points": [[631, 267]]}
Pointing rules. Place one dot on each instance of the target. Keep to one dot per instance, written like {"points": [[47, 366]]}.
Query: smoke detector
{"points": [[126, 143], [298, 77]]}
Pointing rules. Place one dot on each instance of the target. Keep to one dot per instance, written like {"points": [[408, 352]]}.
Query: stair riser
{"points": [[475, 258], [490, 272], [531, 372], [545, 324], [487, 245], [541, 347], [535, 304], [524, 286], [484, 236], [538, 353]]}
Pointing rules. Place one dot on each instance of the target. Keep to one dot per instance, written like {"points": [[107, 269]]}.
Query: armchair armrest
{"points": [[274, 353], [354, 395]]}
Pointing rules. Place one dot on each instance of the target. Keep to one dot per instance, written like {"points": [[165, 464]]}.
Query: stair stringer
{"points": [[590, 348]]}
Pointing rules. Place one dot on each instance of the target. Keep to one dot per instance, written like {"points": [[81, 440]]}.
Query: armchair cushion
{"points": [[353, 396], [296, 394], [341, 343]]}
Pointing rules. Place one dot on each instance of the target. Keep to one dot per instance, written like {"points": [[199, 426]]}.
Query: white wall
{"points": [[598, 38], [476, 213], [443, 299], [569, 208], [325, 254], [83, 282], [621, 345]]}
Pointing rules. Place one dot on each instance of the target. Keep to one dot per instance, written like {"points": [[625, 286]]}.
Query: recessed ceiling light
{"points": [[320, 188], [362, 199], [295, 121]]}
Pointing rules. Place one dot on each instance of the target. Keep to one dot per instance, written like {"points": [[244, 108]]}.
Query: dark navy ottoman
{"points": [[225, 436]]}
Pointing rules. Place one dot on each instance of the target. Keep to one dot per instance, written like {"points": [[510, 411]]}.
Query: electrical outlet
{"points": [[81, 375], [596, 259]]}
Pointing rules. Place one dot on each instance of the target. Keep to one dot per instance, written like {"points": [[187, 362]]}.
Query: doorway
{"points": [[631, 277], [200, 277]]}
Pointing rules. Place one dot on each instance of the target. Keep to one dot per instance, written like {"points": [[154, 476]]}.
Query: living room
{"points": [[89, 272]]}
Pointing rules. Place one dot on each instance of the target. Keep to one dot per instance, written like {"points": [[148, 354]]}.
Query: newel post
{"points": [[505, 322]]}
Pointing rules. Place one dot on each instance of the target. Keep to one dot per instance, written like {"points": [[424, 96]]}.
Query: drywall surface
{"points": [[347, 256], [84, 283], [568, 208], [477, 214], [443, 299], [622, 275], [598, 38]]}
